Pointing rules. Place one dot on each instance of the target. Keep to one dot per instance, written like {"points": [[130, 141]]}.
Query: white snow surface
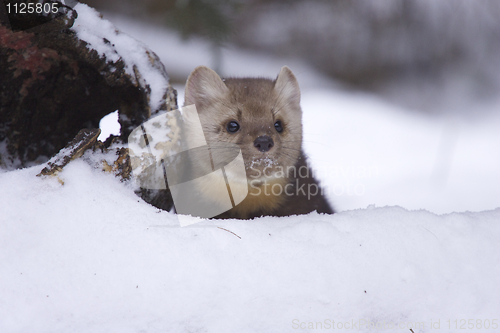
{"points": [[89, 256], [109, 126]]}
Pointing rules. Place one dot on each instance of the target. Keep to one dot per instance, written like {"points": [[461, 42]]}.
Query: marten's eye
{"points": [[232, 127], [278, 126]]}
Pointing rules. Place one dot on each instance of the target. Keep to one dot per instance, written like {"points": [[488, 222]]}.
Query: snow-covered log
{"points": [[63, 71]]}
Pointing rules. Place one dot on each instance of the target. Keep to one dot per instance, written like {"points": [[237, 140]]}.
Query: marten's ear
{"points": [[203, 86], [287, 86]]}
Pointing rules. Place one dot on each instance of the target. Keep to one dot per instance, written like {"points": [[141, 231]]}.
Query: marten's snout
{"points": [[263, 143]]}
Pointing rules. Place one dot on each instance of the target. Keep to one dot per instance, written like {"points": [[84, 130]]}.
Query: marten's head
{"points": [[261, 116]]}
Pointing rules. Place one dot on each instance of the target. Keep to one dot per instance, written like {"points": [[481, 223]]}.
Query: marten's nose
{"points": [[263, 143]]}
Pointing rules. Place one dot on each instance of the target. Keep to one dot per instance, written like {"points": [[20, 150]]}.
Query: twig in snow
{"points": [[230, 232]]}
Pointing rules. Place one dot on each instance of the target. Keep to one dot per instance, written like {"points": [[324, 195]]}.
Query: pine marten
{"points": [[264, 119]]}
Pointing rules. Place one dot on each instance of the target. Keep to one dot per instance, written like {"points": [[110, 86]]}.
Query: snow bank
{"points": [[90, 256]]}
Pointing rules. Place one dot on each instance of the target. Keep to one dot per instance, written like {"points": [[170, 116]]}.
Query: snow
{"points": [[109, 126], [90, 256], [388, 155]]}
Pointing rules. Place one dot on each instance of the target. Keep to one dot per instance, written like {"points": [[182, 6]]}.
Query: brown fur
{"points": [[256, 104]]}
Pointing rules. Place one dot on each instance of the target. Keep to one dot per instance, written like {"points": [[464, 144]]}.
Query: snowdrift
{"points": [[90, 256]]}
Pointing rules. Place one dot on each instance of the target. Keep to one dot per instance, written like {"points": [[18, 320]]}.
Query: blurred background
{"points": [[370, 44], [400, 97]]}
